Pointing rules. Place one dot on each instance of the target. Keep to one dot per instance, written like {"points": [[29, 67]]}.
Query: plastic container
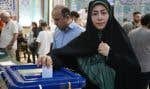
{"points": [[29, 77], [3, 54]]}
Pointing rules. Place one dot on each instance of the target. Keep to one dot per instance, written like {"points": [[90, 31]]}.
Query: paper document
{"points": [[47, 72]]}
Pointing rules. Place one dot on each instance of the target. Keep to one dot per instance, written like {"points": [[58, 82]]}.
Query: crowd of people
{"points": [[108, 54]]}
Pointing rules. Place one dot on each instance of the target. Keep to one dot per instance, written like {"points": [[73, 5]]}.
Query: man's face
{"points": [[59, 20], [137, 18], [4, 19]]}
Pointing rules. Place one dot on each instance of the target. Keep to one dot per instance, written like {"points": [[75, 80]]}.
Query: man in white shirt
{"points": [[9, 34], [44, 40]]}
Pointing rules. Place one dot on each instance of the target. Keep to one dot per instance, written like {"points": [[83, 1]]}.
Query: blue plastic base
{"points": [[62, 79]]}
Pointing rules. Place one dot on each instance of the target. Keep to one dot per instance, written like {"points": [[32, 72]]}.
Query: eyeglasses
{"points": [[57, 18]]}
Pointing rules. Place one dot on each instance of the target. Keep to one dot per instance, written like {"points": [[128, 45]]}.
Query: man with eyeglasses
{"points": [[65, 31]]}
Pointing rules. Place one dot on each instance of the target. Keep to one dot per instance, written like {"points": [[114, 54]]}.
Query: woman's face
{"points": [[100, 16]]}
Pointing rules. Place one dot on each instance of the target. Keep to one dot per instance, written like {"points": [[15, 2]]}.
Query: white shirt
{"points": [[45, 40], [7, 35], [18, 26]]}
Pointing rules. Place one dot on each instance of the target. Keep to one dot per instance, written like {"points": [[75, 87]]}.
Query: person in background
{"points": [[140, 39], [39, 27], [14, 18], [76, 18], [20, 38], [103, 51], [21, 47], [31, 40], [9, 34], [134, 24], [44, 40], [1, 25], [125, 21]]}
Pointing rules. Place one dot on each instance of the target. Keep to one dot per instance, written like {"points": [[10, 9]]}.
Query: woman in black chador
{"points": [[103, 51]]}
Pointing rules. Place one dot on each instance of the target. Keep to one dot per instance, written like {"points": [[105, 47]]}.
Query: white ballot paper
{"points": [[47, 72]]}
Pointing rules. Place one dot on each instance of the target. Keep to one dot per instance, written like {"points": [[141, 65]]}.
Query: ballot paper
{"points": [[47, 72]]}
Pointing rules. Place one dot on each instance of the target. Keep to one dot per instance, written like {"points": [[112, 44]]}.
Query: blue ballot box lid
{"points": [[29, 77]]}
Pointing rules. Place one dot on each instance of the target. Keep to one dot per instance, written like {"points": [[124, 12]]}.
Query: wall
{"points": [[9, 5], [125, 8], [29, 11]]}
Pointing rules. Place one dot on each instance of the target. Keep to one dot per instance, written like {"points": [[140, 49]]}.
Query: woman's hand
{"points": [[44, 60], [103, 48]]}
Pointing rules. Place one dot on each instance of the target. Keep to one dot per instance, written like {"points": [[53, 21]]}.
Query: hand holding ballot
{"points": [[44, 60]]}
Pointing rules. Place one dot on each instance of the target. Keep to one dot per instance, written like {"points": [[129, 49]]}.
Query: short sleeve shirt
{"points": [[7, 34]]}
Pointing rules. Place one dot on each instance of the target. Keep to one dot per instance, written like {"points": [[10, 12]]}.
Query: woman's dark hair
{"points": [[75, 14], [145, 20], [35, 24], [43, 24]]}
